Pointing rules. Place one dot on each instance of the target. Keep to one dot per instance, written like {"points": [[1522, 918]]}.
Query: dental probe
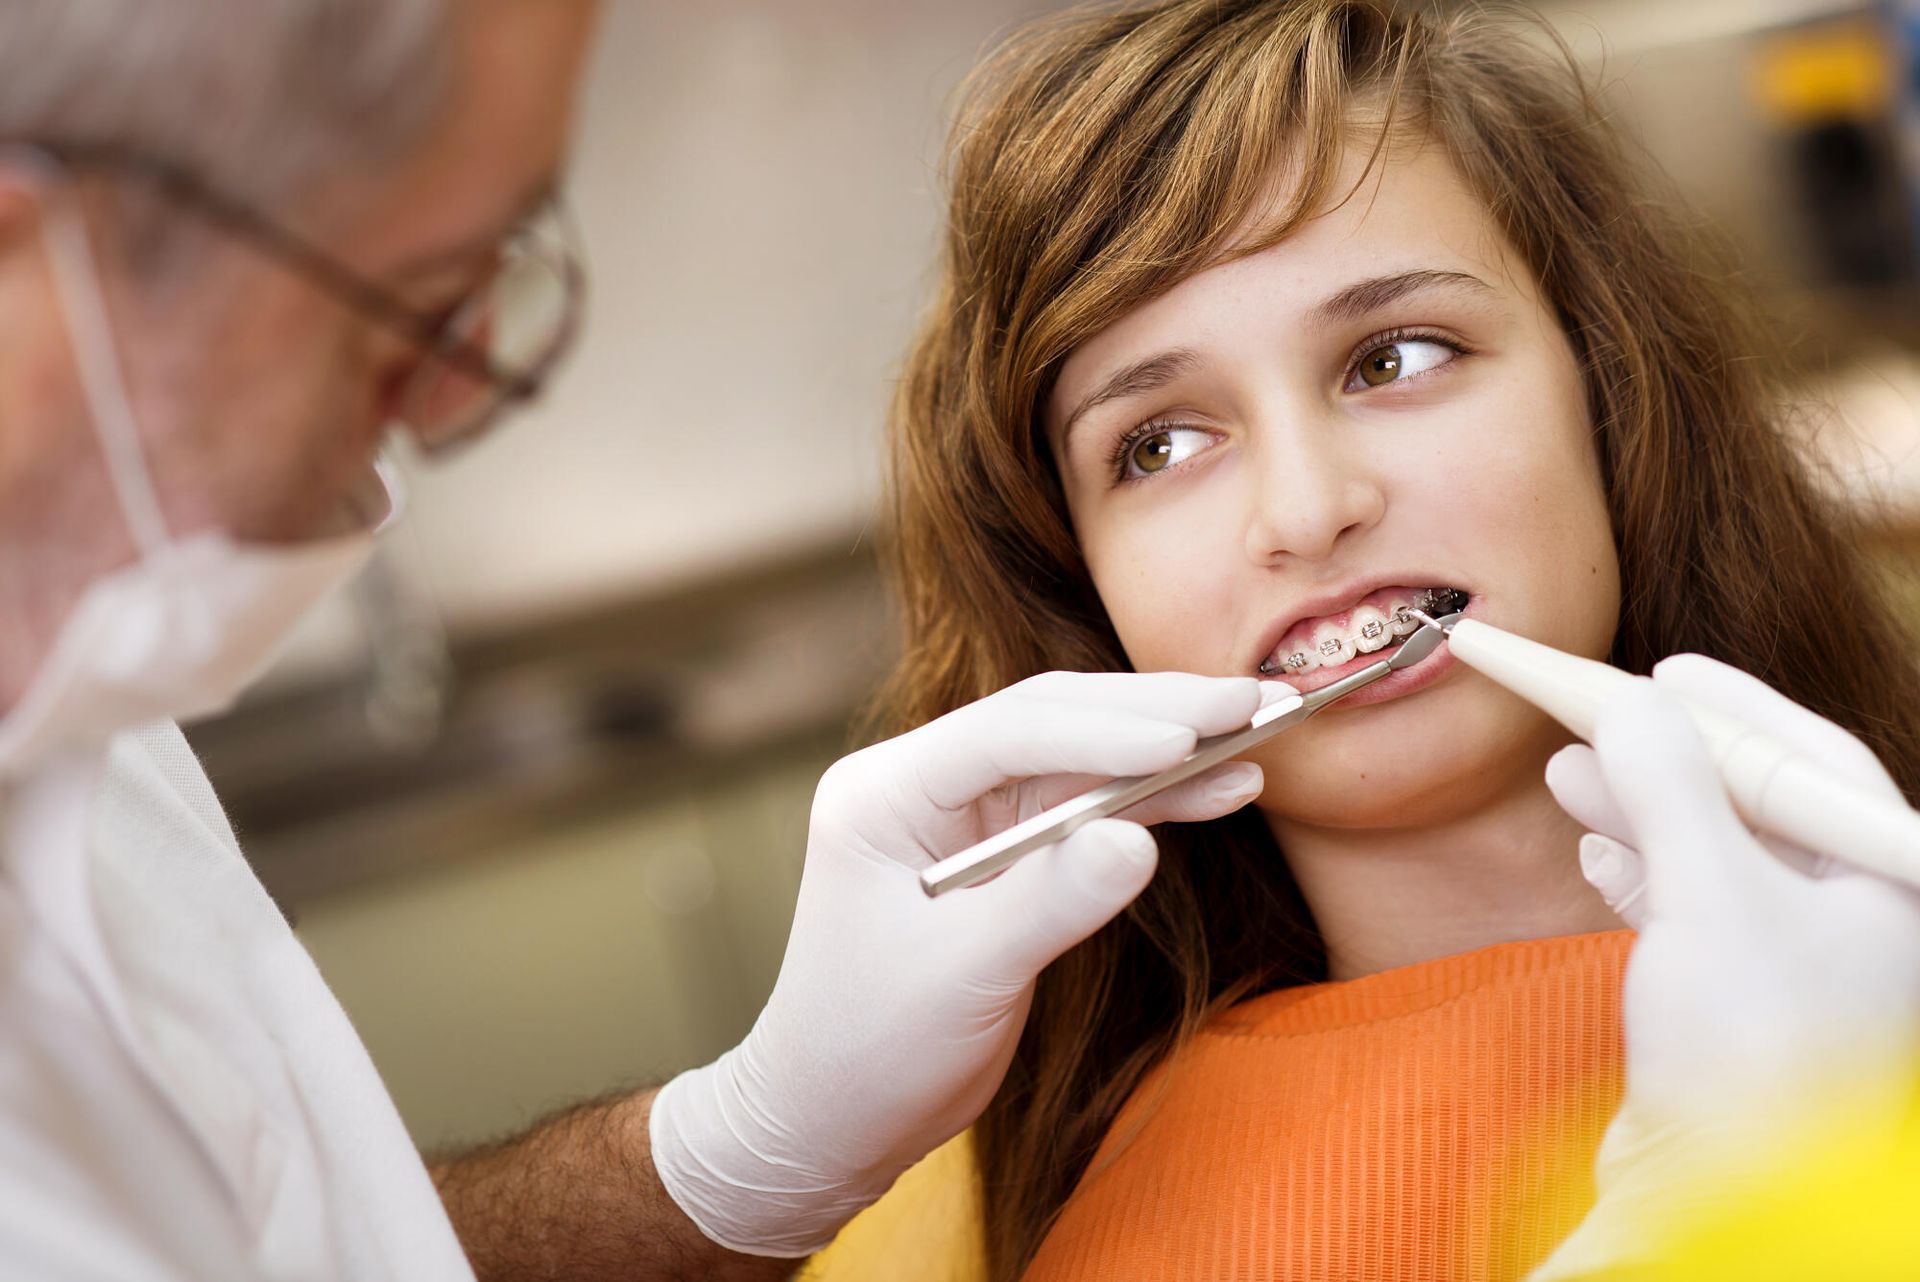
{"points": [[1776, 790], [978, 862]]}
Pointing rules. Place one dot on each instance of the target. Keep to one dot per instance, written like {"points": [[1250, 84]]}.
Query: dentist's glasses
{"points": [[480, 358], [494, 350]]}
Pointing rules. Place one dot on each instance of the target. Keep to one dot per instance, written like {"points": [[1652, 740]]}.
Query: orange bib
{"points": [[1435, 1122]]}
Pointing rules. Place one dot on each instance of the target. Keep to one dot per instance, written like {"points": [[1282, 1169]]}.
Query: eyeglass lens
{"points": [[521, 318]]}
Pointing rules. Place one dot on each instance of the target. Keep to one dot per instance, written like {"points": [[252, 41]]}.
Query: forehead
{"points": [[1411, 213], [504, 127]]}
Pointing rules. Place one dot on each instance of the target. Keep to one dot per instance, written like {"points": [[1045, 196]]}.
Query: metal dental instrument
{"points": [[1775, 789], [976, 863]]}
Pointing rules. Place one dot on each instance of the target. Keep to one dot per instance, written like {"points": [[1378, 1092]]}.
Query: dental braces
{"points": [[1401, 621]]}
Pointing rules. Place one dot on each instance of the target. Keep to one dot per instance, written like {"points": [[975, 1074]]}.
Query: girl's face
{"points": [[1264, 461]]}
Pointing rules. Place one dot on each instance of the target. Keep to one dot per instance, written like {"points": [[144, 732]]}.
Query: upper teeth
{"points": [[1369, 628]]}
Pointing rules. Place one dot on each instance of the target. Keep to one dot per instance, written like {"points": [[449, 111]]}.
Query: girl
{"points": [[1257, 318]]}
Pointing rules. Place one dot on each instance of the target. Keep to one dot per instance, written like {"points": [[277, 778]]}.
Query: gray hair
{"points": [[260, 98]]}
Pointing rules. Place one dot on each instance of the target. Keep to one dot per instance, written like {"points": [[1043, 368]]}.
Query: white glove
{"points": [[1767, 987], [895, 1015]]}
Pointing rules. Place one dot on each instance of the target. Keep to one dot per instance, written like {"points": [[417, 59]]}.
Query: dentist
{"points": [[241, 243]]}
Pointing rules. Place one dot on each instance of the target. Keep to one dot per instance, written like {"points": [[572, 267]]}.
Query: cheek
{"points": [[1163, 574], [287, 412], [1534, 499]]}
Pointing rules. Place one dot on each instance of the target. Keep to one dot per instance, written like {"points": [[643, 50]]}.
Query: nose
{"points": [[1311, 490], [436, 401]]}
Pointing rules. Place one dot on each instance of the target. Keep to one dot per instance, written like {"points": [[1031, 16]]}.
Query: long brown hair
{"points": [[1102, 156]]}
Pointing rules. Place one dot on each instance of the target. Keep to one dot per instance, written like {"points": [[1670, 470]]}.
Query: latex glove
{"points": [[895, 1015], [1767, 987]]}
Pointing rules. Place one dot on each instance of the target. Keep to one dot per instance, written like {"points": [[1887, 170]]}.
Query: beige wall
{"points": [[756, 181]]}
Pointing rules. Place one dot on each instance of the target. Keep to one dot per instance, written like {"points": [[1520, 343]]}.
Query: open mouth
{"points": [[1365, 630]]}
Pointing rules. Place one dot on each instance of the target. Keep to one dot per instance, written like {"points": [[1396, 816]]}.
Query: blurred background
{"points": [[536, 794]]}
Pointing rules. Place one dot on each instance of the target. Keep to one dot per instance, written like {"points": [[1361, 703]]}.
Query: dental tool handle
{"points": [[1568, 688], [1776, 790], [978, 862], [981, 861]]}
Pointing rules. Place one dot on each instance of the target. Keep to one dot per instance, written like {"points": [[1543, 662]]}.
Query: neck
{"points": [[1506, 871]]}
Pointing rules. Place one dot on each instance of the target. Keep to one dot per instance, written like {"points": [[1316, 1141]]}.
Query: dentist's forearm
{"points": [[577, 1198]]}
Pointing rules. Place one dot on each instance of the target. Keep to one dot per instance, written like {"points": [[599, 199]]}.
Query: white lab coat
{"points": [[181, 1097]]}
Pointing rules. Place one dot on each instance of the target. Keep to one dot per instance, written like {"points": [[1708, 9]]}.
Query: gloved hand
{"points": [[895, 1015], [1767, 986]]}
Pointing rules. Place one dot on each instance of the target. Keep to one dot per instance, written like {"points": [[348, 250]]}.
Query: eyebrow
{"points": [[1370, 295], [465, 255], [1137, 379], [1352, 303]]}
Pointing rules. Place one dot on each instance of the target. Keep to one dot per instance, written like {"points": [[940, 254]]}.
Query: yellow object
{"points": [[1835, 71], [1843, 1206], [927, 1227]]}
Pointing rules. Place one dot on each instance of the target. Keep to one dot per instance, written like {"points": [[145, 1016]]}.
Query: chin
{"points": [[1417, 762]]}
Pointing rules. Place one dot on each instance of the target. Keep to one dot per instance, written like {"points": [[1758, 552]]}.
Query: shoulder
{"points": [[931, 1217]]}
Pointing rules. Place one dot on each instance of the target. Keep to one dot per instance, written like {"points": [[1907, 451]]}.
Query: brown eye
{"points": [[1401, 360], [1162, 451], [1381, 365], [1153, 453]]}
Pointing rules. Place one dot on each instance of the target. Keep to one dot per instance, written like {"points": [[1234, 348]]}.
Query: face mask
{"points": [[182, 630]]}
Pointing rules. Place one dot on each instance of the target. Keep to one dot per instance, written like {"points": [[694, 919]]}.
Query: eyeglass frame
{"points": [[429, 331]]}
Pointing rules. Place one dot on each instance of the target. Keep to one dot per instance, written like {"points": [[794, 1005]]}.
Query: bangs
{"points": [[1155, 154]]}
